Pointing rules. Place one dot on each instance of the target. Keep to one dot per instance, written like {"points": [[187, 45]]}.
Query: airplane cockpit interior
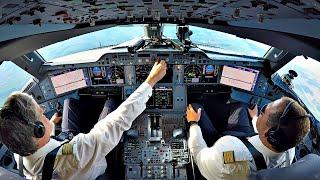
{"points": [[156, 145]]}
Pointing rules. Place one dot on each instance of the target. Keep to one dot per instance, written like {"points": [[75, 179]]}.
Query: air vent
{"points": [[29, 85]]}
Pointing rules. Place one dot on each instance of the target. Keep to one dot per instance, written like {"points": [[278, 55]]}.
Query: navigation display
{"points": [[162, 98], [106, 75], [68, 81], [239, 77], [200, 74]]}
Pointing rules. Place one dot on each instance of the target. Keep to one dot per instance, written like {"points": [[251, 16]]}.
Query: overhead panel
{"points": [[77, 12], [300, 17]]}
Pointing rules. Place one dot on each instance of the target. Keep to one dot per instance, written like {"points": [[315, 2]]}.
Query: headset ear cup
{"points": [[272, 136], [39, 129], [278, 139]]}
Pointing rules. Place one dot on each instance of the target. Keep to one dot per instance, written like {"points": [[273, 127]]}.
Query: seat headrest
{"points": [[307, 167]]}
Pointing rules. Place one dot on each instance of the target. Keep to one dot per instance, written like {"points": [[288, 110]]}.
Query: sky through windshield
{"points": [[306, 85], [214, 40]]}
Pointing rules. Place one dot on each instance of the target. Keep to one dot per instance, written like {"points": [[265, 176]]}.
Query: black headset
{"points": [[38, 127], [276, 136]]}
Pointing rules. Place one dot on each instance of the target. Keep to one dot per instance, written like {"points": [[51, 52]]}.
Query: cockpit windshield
{"points": [[206, 39], [306, 84], [12, 78]]}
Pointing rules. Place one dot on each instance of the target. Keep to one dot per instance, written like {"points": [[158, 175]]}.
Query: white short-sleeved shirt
{"points": [[84, 156], [211, 160]]}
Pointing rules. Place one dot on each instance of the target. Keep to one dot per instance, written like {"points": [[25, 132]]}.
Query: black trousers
{"points": [[76, 118], [237, 124]]}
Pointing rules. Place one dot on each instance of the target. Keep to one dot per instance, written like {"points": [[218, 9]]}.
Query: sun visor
{"points": [[9, 32]]}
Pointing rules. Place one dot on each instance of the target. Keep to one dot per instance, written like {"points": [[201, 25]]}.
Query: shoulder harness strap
{"points": [[257, 156], [49, 160]]}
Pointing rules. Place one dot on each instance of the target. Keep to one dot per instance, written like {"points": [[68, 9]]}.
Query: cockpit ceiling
{"points": [[90, 11], [291, 25], [68, 11]]}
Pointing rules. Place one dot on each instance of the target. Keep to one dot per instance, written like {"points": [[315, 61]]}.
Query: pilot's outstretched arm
{"points": [[106, 134], [55, 119], [207, 159], [254, 117], [212, 160], [196, 142]]}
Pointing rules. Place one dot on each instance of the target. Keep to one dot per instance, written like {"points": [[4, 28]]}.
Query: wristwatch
{"points": [[193, 122]]}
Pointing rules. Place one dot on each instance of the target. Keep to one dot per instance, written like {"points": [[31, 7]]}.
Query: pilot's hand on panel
{"points": [[157, 72], [192, 115], [253, 112], [56, 118]]}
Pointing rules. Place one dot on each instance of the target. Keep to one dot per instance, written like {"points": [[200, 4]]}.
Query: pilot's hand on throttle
{"points": [[192, 115], [157, 72], [56, 118], [253, 112]]}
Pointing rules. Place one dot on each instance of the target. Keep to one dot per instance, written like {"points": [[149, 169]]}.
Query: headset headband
{"points": [[276, 136], [285, 112]]}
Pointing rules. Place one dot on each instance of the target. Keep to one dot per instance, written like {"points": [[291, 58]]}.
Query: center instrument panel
{"points": [[156, 145]]}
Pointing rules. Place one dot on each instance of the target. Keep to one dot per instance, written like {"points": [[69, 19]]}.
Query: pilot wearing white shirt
{"points": [[84, 156], [281, 125]]}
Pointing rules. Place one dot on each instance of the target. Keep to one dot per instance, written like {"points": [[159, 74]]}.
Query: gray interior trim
{"points": [[16, 31], [18, 47]]}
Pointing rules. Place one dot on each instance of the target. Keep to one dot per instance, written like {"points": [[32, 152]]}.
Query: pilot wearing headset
{"points": [[26, 131], [281, 125]]}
